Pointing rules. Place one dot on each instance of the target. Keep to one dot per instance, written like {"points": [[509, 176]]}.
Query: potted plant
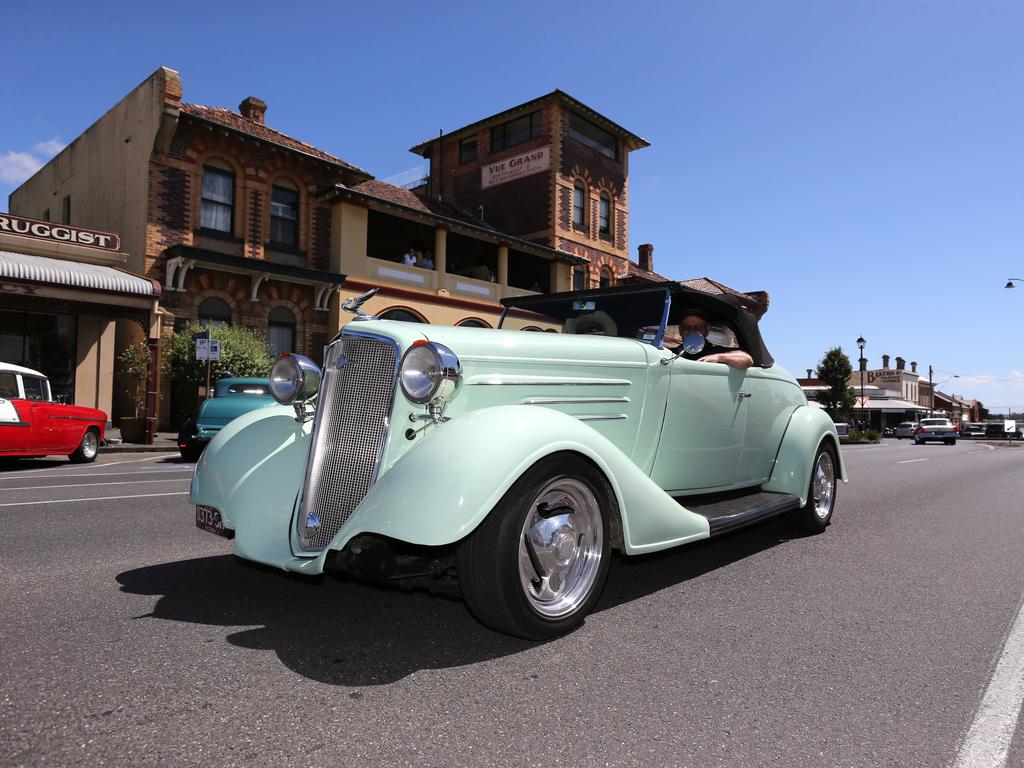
{"points": [[133, 366]]}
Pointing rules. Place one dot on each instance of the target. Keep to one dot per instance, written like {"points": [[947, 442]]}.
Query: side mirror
{"points": [[692, 344]]}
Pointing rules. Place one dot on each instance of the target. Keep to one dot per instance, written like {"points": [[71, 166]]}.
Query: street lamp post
{"points": [[1009, 282], [860, 346]]}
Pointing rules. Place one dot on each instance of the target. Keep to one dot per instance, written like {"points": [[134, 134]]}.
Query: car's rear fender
{"points": [[808, 428], [440, 490]]}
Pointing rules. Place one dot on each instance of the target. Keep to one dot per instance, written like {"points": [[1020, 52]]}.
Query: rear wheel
{"points": [[87, 448], [192, 450], [536, 565], [816, 514]]}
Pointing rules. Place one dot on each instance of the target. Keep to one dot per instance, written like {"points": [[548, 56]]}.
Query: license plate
{"points": [[208, 519]]}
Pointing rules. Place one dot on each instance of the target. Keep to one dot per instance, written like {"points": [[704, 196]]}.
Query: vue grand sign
{"points": [[512, 168], [45, 230]]}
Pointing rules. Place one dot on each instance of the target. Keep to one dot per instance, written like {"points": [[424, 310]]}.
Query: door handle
{"points": [[744, 394]]}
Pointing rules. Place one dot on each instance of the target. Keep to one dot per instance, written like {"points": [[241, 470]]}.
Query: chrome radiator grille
{"points": [[353, 413]]}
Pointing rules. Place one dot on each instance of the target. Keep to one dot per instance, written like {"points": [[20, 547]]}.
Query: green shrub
{"points": [[865, 436], [243, 352]]}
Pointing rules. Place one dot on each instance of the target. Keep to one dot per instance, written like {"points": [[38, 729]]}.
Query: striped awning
{"points": [[74, 274]]}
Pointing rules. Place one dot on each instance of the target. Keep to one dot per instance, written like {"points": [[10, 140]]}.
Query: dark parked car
{"points": [[231, 398], [998, 432]]}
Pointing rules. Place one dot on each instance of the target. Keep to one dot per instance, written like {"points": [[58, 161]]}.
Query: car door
{"points": [[15, 422], [45, 431], [703, 431]]}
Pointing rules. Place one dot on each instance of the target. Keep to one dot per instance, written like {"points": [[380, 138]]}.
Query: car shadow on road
{"points": [[344, 633]]}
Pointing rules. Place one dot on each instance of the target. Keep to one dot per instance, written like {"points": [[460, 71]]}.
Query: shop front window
{"points": [[44, 342]]}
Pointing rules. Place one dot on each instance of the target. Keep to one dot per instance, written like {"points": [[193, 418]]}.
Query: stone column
{"points": [[502, 264], [440, 253]]}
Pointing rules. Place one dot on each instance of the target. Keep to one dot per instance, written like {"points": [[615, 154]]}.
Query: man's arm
{"points": [[737, 358]]}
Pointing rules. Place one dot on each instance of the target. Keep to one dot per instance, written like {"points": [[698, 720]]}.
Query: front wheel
{"points": [[87, 448], [816, 514], [535, 567]]}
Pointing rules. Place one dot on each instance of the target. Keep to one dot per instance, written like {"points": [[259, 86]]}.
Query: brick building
{"points": [[552, 171]]}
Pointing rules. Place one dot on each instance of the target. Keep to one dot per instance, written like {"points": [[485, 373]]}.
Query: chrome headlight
{"points": [[294, 379], [429, 370]]}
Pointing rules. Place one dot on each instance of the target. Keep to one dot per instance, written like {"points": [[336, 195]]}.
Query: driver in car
{"points": [[693, 322]]}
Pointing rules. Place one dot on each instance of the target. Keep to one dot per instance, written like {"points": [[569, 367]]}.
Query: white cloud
{"points": [[15, 167], [50, 147]]}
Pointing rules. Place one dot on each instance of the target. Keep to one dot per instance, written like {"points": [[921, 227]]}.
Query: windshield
{"points": [[640, 314]]}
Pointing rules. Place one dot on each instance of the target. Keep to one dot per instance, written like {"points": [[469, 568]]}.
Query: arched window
{"points": [[402, 314], [281, 331], [217, 209], [606, 277], [579, 205], [472, 322], [605, 215], [214, 311]]}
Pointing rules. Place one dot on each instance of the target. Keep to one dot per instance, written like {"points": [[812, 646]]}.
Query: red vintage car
{"points": [[33, 424]]}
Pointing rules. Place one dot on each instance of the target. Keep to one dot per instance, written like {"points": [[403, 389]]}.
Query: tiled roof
{"points": [[634, 272], [402, 196], [231, 119]]}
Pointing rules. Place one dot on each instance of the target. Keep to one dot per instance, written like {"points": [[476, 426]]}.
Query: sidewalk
{"points": [[162, 441]]}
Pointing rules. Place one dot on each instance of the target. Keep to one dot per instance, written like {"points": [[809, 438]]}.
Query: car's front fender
{"points": [[808, 428], [441, 489]]}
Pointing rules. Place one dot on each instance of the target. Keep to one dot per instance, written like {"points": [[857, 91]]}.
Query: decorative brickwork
{"points": [[320, 254], [255, 241]]}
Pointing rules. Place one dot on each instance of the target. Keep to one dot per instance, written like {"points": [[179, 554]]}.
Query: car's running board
{"points": [[728, 514]]}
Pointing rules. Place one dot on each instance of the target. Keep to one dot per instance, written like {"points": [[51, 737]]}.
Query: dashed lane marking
{"points": [[95, 498], [987, 744], [60, 475], [910, 461]]}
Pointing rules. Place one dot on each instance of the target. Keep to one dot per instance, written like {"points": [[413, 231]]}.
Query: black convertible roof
{"points": [[716, 307]]}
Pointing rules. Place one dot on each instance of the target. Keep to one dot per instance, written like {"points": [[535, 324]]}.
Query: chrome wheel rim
{"points": [[560, 548], [824, 485], [90, 444]]}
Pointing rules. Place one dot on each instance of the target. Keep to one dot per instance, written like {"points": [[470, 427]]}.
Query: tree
{"points": [[243, 352], [133, 365], [835, 370], [982, 411]]}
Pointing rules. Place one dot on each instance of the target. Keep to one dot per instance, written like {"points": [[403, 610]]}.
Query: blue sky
{"points": [[861, 160]]}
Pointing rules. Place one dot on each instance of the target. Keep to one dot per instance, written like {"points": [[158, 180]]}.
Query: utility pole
{"points": [[931, 393]]}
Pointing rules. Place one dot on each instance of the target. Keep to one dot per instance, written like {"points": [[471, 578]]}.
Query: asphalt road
{"points": [[131, 637]]}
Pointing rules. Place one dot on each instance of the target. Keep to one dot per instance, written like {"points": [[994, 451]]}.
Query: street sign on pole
{"points": [[207, 349]]}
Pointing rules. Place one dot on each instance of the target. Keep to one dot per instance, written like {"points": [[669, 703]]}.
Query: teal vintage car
{"points": [[232, 396], [509, 463]]}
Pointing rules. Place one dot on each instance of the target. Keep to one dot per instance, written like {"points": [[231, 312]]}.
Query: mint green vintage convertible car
{"points": [[511, 463]]}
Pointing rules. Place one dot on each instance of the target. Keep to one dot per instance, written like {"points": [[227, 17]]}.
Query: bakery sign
{"points": [[511, 168], [63, 233]]}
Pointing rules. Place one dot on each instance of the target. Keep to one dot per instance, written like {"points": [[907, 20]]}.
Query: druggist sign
{"points": [[512, 168], [63, 233]]}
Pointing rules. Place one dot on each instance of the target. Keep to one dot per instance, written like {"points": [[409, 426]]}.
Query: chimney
{"points": [[253, 109], [646, 257], [913, 366], [885, 361], [901, 364]]}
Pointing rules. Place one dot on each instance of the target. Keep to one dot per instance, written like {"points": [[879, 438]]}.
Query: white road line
{"points": [[910, 461], [89, 485], [96, 498], [156, 455], [163, 471], [987, 744]]}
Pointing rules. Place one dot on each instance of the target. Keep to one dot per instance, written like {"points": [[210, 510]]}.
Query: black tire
{"points": [[88, 448], [499, 559], [816, 514]]}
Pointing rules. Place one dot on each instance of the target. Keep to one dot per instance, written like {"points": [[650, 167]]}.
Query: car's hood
{"points": [[486, 347]]}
